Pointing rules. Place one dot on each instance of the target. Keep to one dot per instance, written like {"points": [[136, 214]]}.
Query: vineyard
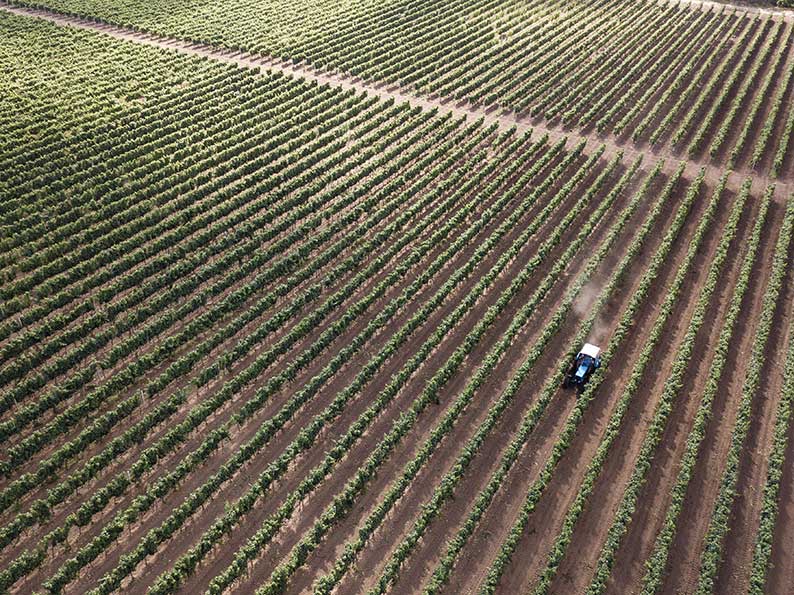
{"points": [[288, 292], [712, 83]]}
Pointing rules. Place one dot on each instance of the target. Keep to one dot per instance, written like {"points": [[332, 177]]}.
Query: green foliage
{"points": [[748, 83], [180, 241], [614, 425], [771, 502], [343, 502], [720, 81], [718, 525], [657, 561], [606, 64]]}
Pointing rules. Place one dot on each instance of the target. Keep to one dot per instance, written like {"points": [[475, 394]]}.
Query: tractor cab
{"points": [[586, 362]]}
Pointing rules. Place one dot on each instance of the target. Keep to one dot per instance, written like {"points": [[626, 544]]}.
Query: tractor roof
{"points": [[590, 349]]}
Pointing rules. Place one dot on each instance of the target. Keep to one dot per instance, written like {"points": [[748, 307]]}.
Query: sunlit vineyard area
{"points": [[383, 296]]}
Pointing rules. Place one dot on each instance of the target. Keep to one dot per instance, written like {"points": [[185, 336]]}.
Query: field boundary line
{"points": [[505, 121], [787, 15]]}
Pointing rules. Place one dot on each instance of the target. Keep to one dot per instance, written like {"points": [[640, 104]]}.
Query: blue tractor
{"points": [[586, 362]]}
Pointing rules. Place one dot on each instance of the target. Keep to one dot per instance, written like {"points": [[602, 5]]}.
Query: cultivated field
{"points": [[288, 291]]}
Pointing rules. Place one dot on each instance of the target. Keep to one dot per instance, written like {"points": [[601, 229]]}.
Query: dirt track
{"points": [[596, 520], [505, 121], [546, 519], [745, 6], [655, 496], [217, 419]]}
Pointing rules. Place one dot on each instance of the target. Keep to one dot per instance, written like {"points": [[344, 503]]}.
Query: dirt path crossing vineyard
{"points": [[267, 327], [555, 133]]}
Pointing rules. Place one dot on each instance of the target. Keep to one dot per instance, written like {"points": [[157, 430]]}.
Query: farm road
{"points": [[745, 7], [504, 120]]}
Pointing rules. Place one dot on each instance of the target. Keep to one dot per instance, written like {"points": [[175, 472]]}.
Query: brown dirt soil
{"points": [[246, 394], [531, 555], [594, 524], [321, 498], [480, 549], [734, 574], [654, 497], [400, 518], [684, 561], [263, 415], [434, 541], [559, 496], [781, 569]]}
